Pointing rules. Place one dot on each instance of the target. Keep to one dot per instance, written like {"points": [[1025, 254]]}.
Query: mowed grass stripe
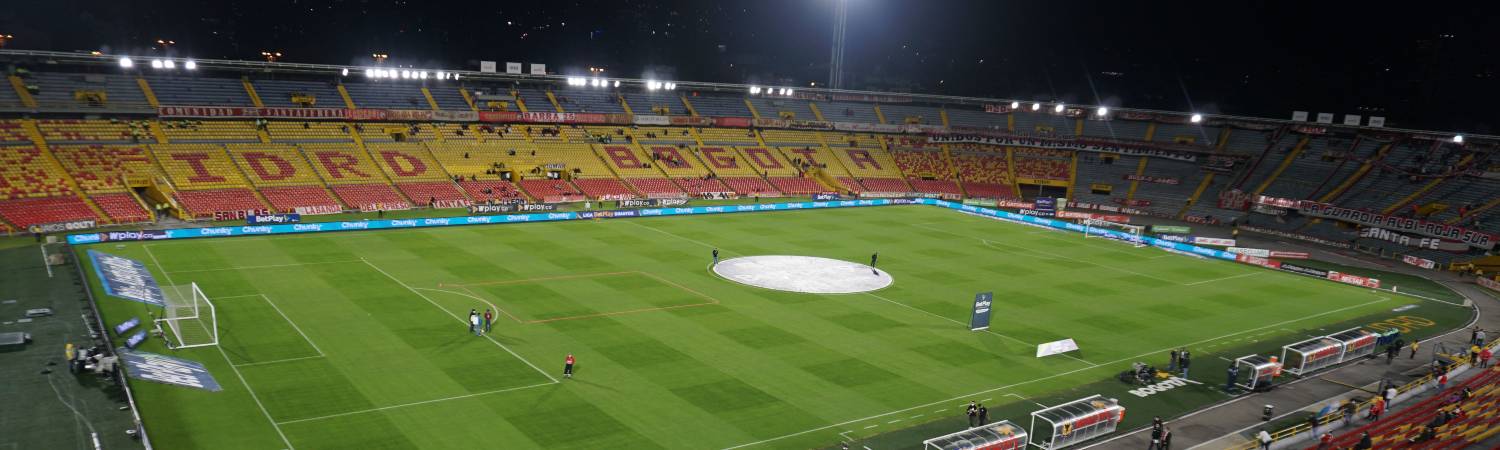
{"points": [[758, 365]]}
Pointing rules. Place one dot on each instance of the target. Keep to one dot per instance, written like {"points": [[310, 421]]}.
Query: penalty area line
{"points": [[459, 319], [1056, 375], [423, 402]]}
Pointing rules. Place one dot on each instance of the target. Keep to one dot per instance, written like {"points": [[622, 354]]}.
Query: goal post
{"points": [[1123, 232], [189, 318]]}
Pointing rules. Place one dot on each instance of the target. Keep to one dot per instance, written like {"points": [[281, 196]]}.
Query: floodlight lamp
{"points": [[1196, 118], [1058, 109], [1458, 139], [1103, 111], [156, 64], [1015, 105], [1036, 106], [193, 65], [126, 62]]}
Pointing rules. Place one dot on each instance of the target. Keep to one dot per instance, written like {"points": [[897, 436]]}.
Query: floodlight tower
{"points": [[840, 25]]}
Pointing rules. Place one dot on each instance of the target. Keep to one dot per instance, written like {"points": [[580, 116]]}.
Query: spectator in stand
{"points": [[1264, 438], [1484, 357], [1377, 406], [1365, 443], [1325, 442], [1414, 346], [1442, 381]]}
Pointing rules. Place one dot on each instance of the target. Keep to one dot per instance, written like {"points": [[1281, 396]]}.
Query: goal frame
{"points": [[1100, 228], [174, 316]]}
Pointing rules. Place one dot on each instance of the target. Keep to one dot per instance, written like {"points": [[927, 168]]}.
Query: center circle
{"points": [[806, 274]]}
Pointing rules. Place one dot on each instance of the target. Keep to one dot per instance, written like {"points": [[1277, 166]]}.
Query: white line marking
{"points": [[913, 308], [272, 266], [1243, 275], [262, 363], [236, 370], [423, 402], [916, 416], [1060, 374], [294, 325], [44, 260], [892, 421], [1025, 399], [486, 302], [668, 233], [871, 426], [459, 319]]}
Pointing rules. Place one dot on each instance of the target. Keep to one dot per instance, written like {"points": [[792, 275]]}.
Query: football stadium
{"points": [[257, 252]]}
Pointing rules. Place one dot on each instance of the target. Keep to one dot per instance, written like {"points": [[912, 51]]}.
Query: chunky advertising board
{"points": [[126, 278]]}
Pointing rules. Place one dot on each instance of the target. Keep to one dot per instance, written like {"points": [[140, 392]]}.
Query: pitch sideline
{"points": [[1056, 375]]}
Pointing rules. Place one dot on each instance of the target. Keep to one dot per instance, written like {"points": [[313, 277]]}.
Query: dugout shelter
{"points": [[1074, 422]]}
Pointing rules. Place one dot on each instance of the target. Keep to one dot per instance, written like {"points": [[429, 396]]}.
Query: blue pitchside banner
{"points": [[166, 369], [126, 278], [981, 318]]}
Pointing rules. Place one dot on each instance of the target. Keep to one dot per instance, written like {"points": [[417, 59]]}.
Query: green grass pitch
{"points": [[358, 340]]}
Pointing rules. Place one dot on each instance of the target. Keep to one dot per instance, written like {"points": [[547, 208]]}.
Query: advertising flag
{"points": [[981, 318]]}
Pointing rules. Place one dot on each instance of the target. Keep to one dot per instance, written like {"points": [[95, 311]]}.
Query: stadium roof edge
{"points": [[87, 59]]}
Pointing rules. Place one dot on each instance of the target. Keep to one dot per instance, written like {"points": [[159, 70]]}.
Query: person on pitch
{"points": [[568, 366], [873, 257], [716, 257], [473, 320], [489, 320]]}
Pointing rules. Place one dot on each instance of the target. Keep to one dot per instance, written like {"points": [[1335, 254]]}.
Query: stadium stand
{"points": [[279, 93], [87, 91], [106, 168], [927, 171], [189, 90], [556, 190], [984, 174], [1477, 419], [89, 131], [25, 212], [122, 208], [588, 100], [310, 131], [210, 131], [725, 136], [386, 94], [653, 187], [11, 132]]}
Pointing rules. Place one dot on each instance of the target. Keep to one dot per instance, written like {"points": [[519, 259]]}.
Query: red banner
{"points": [[1488, 283], [1419, 262], [691, 121], [1117, 218], [1356, 280], [1290, 255], [732, 122], [210, 112], [1138, 203], [1256, 260], [1151, 179]]}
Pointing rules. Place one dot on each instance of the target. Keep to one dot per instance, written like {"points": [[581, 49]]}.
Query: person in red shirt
{"points": [[1484, 357], [568, 366]]}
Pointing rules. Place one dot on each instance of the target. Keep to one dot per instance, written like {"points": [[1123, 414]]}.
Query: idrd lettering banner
{"points": [[980, 319]]}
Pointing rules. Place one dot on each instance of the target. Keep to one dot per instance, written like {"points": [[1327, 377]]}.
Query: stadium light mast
{"points": [[840, 25]]}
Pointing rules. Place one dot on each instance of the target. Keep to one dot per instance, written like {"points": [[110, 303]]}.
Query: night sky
{"points": [[1421, 65]]}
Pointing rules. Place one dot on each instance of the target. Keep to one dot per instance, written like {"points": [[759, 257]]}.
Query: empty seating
{"points": [[371, 197], [1042, 164], [301, 199], [984, 174], [728, 136], [209, 131], [61, 131], [656, 187], [67, 91], [406, 161], [885, 185], [788, 137], [629, 162], [198, 166], [25, 172], [342, 164], [554, 191], [484, 191], [121, 207], [107, 168], [273, 165], [931, 186], [796, 185], [204, 204], [437, 194], [387, 94], [700, 186], [867, 162], [25, 212], [199, 91], [12, 131], [278, 93], [923, 164], [310, 131], [750, 186]]}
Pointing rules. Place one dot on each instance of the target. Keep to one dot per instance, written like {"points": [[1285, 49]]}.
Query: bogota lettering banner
{"points": [[980, 319]]}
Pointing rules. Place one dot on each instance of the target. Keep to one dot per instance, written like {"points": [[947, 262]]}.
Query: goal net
{"points": [[189, 319], [1131, 234]]}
